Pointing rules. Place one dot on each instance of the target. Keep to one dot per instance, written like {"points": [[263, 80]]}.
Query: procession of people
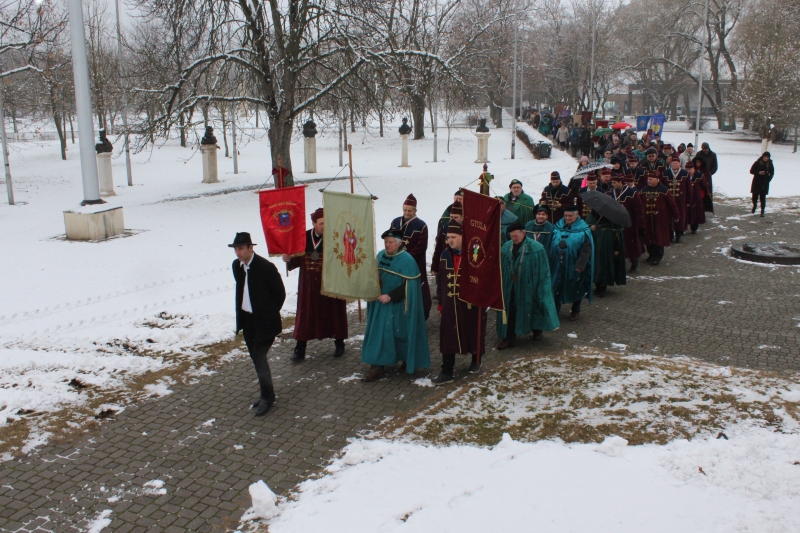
{"points": [[569, 247]]}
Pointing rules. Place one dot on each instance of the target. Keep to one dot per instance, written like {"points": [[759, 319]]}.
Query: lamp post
{"points": [[126, 139], [514, 90], [700, 84], [83, 105], [591, 68]]}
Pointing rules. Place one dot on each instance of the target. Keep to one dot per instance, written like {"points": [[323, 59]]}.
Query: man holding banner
{"points": [[460, 320], [396, 321], [318, 317], [475, 282]]}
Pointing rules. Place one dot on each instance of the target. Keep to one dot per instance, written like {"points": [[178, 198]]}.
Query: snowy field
{"points": [[527, 448]]}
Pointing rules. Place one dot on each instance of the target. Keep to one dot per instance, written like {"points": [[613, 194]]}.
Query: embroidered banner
{"points": [[641, 122], [481, 277], [657, 123], [283, 217], [349, 266]]}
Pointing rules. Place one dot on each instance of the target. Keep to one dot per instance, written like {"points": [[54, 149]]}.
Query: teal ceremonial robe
{"points": [[532, 290], [540, 233], [568, 285], [396, 330], [506, 219]]}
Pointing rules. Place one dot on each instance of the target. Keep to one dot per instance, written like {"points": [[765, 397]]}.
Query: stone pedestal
{"points": [[483, 147], [105, 175], [209, 163], [94, 224], [404, 156], [310, 154]]}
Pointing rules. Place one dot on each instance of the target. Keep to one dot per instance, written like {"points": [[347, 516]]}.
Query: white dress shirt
{"points": [[246, 295]]}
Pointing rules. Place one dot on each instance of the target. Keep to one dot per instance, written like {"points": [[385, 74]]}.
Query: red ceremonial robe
{"points": [[696, 212], [678, 185], [659, 212], [458, 332], [318, 316], [630, 198], [557, 199]]}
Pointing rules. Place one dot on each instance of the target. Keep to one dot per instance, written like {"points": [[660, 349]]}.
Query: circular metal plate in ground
{"points": [[772, 252]]}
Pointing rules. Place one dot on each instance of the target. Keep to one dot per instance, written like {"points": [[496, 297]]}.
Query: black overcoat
{"points": [[266, 296], [760, 183]]}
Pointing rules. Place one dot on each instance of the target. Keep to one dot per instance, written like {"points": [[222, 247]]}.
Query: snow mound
{"points": [[100, 523], [264, 501], [613, 446]]}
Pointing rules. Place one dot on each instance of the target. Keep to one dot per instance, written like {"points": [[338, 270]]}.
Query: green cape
{"points": [[609, 269], [533, 293], [544, 232], [396, 331], [523, 207]]}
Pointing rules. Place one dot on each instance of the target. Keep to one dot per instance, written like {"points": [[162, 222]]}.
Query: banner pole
{"points": [[480, 327], [352, 191]]}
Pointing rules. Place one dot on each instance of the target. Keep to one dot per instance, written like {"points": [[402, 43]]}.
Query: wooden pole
{"points": [[480, 328], [352, 191]]}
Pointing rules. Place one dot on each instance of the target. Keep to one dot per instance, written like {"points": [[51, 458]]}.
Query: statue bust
{"points": [[482, 128], [208, 138], [405, 129], [104, 146], [309, 129]]}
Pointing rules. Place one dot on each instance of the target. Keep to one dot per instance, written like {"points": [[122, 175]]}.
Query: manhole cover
{"points": [[772, 252]]}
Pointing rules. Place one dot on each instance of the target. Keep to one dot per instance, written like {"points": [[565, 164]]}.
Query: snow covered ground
{"points": [[750, 482], [548, 445]]}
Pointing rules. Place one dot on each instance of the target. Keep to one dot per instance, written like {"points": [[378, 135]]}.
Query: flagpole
{"points": [[352, 191]]}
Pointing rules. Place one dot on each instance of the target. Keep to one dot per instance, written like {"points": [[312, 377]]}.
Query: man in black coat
{"points": [[709, 159], [259, 298]]}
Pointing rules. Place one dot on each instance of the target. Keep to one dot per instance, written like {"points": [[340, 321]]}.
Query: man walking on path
{"points": [[318, 317], [660, 212], [708, 158], [527, 289], [571, 262], [259, 298], [459, 325]]}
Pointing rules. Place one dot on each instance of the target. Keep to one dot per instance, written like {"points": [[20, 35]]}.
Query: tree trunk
{"points": [[256, 117], [418, 116], [14, 118], [182, 126], [225, 132], [352, 121], [448, 139], [280, 141], [380, 122], [498, 111], [71, 129], [205, 116], [61, 138], [433, 122], [746, 122]]}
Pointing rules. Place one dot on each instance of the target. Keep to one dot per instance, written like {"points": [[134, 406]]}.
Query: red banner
{"points": [[481, 278], [283, 217]]}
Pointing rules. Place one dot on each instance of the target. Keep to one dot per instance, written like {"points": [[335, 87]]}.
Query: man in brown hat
{"points": [[459, 325], [318, 317], [259, 298], [415, 240], [457, 214]]}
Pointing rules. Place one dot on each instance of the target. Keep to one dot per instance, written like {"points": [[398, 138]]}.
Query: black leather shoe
{"points": [[299, 352], [339, 348], [263, 407], [655, 262], [441, 379], [255, 403]]}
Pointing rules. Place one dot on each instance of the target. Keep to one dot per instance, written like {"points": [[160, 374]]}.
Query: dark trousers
{"points": [[576, 307], [763, 198], [449, 363], [694, 227], [258, 346], [511, 319], [655, 252]]}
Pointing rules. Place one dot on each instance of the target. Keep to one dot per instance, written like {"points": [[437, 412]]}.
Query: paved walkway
{"points": [[698, 302]]}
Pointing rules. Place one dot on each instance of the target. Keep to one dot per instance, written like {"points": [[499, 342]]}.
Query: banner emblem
{"points": [[348, 245], [477, 253]]}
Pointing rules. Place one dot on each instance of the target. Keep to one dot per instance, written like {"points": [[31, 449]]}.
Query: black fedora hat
{"points": [[241, 239]]}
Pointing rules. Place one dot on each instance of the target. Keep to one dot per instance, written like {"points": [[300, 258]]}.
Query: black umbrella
{"points": [[589, 168], [607, 207]]}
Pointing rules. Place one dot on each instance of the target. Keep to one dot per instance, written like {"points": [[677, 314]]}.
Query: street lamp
{"points": [[514, 89], [83, 105], [700, 84]]}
